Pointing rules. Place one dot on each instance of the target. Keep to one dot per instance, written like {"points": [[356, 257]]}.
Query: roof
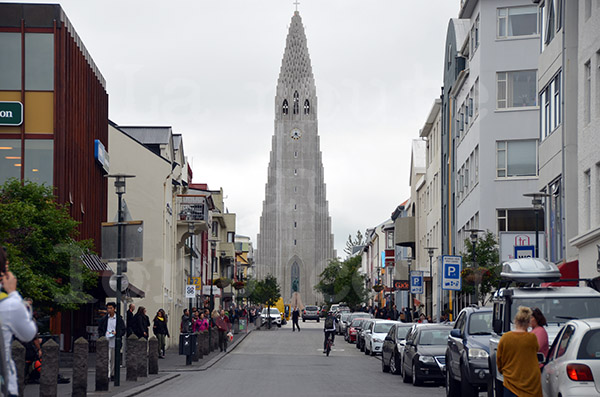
{"points": [[149, 134]]}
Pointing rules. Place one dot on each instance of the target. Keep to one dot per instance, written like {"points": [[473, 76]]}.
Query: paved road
{"points": [[286, 363]]}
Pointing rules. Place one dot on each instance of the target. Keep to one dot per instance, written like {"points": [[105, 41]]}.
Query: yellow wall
{"points": [[38, 108]]}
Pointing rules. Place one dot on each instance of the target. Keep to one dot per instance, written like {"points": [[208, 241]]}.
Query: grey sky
{"points": [[210, 68]]}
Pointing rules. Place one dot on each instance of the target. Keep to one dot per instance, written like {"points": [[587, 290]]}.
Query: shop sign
{"points": [[11, 113], [101, 155]]}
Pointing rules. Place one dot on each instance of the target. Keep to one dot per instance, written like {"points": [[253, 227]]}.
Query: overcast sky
{"points": [[209, 69]]}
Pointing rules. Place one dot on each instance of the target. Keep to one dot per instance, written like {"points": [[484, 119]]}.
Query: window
{"points": [[295, 242], [589, 349], [230, 237], [564, 341], [390, 239], [295, 172], [588, 9], [597, 183], [516, 158], [587, 186], [295, 207], [39, 61], [295, 224], [476, 96], [214, 264], [517, 22], [306, 107], [518, 220], [474, 40], [551, 111], [39, 160], [10, 61], [215, 229], [549, 22], [285, 107], [10, 159], [516, 89], [296, 102], [587, 92]]}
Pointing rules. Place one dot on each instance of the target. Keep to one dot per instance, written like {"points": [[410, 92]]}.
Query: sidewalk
{"points": [[169, 368]]}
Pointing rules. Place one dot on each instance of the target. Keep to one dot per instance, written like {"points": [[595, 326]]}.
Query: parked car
{"points": [[323, 311], [374, 339], [423, 358], [349, 320], [354, 328], [273, 313], [393, 347], [311, 313], [342, 317], [360, 341], [467, 369], [573, 364]]}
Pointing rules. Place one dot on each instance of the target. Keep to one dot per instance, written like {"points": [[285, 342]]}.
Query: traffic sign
{"points": [[452, 267], [190, 291], [195, 280], [416, 282]]}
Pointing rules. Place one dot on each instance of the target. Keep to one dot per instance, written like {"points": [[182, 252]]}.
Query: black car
{"points": [[467, 368], [423, 358], [393, 347]]}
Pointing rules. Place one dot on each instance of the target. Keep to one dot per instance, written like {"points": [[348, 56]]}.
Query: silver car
{"points": [[573, 364]]}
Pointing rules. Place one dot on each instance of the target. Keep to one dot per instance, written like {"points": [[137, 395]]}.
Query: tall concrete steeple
{"points": [[295, 241]]}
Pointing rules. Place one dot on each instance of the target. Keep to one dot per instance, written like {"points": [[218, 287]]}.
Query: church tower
{"points": [[295, 242]]}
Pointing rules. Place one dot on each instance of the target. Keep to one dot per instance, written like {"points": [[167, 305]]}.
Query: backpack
{"points": [[329, 322]]}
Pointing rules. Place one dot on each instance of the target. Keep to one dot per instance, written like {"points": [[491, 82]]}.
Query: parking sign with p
{"points": [[452, 266]]}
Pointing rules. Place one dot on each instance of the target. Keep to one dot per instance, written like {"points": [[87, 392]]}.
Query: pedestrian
{"points": [[537, 324], [295, 317], [108, 328], [393, 313], [222, 322], [17, 320], [423, 319], [130, 322], [141, 323], [517, 359], [161, 331], [201, 324], [186, 322]]}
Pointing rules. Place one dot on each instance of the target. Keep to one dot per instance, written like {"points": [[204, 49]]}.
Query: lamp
{"points": [[536, 201], [430, 253]]}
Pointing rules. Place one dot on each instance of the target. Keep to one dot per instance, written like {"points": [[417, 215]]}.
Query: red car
{"points": [[353, 329]]}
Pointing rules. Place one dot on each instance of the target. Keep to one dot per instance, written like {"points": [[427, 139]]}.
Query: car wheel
{"points": [[466, 389], [415, 378], [318, 320], [372, 351], [394, 365], [303, 320], [384, 368], [366, 350], [451, 384], [362, 346], [405, 377]]}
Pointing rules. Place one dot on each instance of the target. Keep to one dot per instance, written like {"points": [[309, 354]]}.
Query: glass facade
{"points": [[38, 162], [10, 159], [10, 61], [39, 61]]}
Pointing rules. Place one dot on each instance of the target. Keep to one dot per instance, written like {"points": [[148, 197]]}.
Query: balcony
{"points": [[404, 232], [193, 209]]}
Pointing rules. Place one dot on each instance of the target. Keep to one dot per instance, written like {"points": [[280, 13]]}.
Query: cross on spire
{"points": [[296, 3]]}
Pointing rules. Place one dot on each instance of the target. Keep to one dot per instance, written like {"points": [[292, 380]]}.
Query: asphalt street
{"points": [[285, 363]]}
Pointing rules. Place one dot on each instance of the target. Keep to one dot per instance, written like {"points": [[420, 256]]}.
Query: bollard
{"points": [[48, 384], [132, 358], [18, 356], [102, 364], [199, 346], [142, 357], [205, 346], [153, 356], [80, 367], [215, 338]]}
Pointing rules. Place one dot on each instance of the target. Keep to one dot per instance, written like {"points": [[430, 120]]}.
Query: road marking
{"points": [[333, 350]]}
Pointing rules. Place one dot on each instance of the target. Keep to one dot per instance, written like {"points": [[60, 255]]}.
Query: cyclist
{"points": [[329, 329]]}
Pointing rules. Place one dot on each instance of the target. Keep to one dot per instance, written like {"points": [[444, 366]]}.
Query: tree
{"points": [[351, 243], [39, 236], [342, 282], [266, 292], [483, 275]]}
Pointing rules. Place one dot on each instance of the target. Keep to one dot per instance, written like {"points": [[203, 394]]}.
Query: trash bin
{"points": [[187, 344]]}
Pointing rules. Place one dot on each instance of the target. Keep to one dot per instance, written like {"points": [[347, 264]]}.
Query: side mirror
{"points": [[455, 333], [541, 358]]}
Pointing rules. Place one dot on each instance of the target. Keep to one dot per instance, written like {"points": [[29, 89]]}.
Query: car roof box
{"points": [[530, 270]]}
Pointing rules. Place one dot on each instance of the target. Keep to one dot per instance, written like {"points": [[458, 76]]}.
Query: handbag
{"points": [[230, 336]]}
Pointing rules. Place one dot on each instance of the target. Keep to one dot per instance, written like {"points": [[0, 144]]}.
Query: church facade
{"points": [[295, 242]]}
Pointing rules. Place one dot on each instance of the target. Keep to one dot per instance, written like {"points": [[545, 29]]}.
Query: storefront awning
{"points": [[95, 264], [568, 271]]}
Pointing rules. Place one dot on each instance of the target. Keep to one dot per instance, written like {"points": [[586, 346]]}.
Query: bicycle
{"points": [[329, 344]]}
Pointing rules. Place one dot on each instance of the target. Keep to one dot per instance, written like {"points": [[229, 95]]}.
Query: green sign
{"points": [[11, 113]]}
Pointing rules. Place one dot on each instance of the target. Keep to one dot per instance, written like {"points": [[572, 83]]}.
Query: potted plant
{"points": [[239, 285], [222, 282], [378, 288]]}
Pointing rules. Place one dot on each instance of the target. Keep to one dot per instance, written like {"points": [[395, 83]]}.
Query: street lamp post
{"points": [[409, 263], [536, 201], [120, 180], [430, 253], [191, 228]]}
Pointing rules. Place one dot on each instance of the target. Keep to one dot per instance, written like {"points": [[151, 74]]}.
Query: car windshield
{"points": [[274, 310], [382, 328], [401, 333], [589, 349], [434, 337], [344, 316], [357, 322], [559, 310], [480, 323]]}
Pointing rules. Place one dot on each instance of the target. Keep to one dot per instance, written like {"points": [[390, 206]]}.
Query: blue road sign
{"points": [[452, 266], [524, 251], [416, 282]]}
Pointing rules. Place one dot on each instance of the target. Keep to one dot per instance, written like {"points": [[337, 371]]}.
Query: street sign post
{"points": [[451, 268], [416, 282]]}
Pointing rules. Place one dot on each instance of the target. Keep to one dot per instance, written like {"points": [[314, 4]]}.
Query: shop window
{"points": [[10, 159], [39, 160], [10, 61], [39, 61]]}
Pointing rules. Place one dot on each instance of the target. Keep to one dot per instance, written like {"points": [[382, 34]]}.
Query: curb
{"points": [[145, 387]]}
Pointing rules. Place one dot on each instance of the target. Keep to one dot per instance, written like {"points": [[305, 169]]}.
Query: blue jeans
{"points": [[508, 393]]}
